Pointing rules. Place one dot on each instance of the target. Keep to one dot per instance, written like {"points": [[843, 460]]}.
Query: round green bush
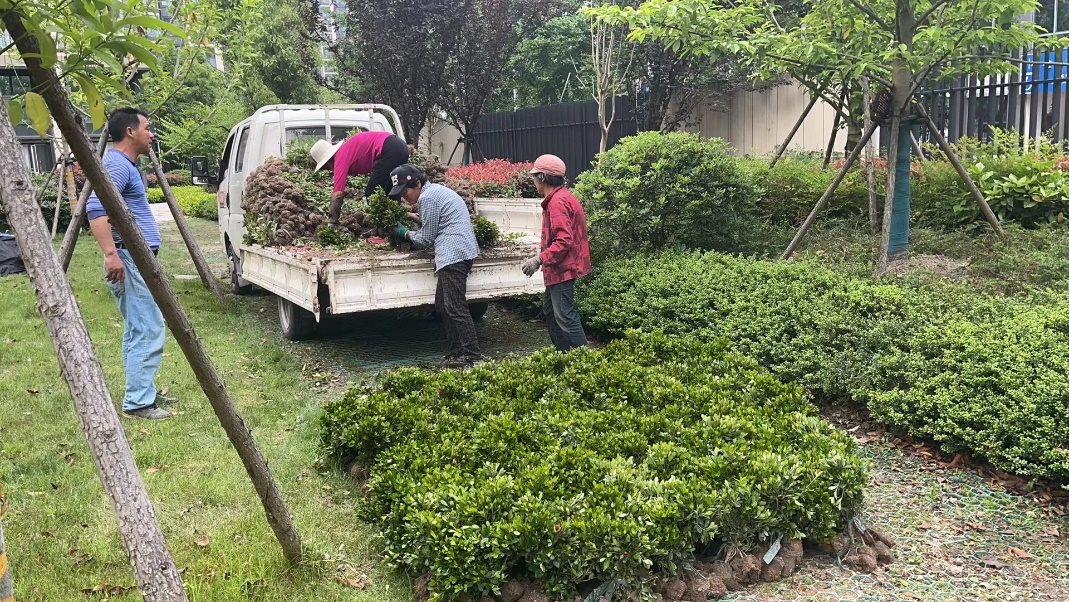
{"points": [[655, 191]]}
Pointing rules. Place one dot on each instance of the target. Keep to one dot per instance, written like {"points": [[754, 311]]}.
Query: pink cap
{"points": [[550, 165]]}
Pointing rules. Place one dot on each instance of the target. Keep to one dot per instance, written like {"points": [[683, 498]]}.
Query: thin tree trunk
{"points": [[794, 130], [154, 568], [59, 202], [952, 156], [78, 217], [889, 197], [834, 133], [183, 227], [278, 516], [870, 163], [72, 186], [823, 202]]}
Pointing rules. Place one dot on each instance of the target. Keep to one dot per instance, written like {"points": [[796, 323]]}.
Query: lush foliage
{"points": [[654, 191], [970, 371], [487, 234], [591, 465], [384, 212], [195, 202], [492, 178], [550, 66]]}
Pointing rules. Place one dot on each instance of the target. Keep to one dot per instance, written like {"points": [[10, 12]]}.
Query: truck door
{"points": [[236, 184]]}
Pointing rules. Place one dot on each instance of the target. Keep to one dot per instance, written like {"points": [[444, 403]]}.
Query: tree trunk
{"points": [[59, 203], [794, 130], [827, 194], [952, 156], [889, 200], [181, 327], [78, 217], [199, 261], [150, 558], [870, 162]]}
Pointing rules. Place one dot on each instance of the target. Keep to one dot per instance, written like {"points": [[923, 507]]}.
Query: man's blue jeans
{"points": [[144, 333], [562, 319]]}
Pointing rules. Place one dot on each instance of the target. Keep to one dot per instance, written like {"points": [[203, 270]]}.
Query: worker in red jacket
{"points": [[565, 253], [374, 153]]}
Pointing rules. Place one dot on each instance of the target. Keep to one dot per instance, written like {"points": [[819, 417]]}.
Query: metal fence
{"points": [[568, 130], [1032, 101]]}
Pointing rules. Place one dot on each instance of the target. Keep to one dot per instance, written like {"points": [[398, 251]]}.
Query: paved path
{"points": [[161, 212]]}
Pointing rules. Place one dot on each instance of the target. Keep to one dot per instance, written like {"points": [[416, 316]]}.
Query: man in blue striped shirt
{"points": [[144, 330], [446, 226]]}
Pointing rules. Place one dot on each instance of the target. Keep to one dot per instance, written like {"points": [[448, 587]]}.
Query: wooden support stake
{"points": [[870, 163], [59, 200], [889, 196], [199, 261], [917, 149], [794, 130], [78, 216], [834, 133], [985, 209], [823, 202]]}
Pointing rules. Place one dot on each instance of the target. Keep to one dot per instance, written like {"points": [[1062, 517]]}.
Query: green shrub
{"points": [[487, 234], [155, 195], [591, 465], [655, 191], [195, 202], [918, 355]]}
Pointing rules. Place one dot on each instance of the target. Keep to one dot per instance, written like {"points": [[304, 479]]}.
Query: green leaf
{"points": [[45, 42], [14, 110], [93, 99], [37, 111], [139, 52], [152, 23]]}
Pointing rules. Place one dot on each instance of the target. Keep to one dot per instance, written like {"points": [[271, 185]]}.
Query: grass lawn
{"points": [[61, 534]]}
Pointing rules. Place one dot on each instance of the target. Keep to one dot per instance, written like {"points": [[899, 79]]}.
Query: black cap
{"points": [[404, 176]]}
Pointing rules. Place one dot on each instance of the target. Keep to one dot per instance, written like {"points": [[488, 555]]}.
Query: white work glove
{"points": [[531, 265]]}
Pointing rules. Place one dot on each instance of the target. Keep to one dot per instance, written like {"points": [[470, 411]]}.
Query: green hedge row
{"points": [[972, 372], [591, 465], [193, 200]]}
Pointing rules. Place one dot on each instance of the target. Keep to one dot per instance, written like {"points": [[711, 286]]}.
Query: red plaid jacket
{"points": [[565, 250]]}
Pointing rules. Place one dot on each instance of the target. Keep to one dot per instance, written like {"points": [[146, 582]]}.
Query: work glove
{"points": [[399, 235], [531, 265]]}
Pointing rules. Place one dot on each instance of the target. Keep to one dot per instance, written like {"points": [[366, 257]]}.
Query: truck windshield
{"points": [[337, 133]]}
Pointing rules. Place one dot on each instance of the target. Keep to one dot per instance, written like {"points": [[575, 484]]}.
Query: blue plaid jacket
{"points": [[446, 226]]}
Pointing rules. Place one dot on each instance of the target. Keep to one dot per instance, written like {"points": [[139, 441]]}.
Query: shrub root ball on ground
{"points": [[615, 465]]}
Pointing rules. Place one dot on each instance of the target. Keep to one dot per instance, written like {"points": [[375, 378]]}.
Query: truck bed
{"points": [[364, 279]]}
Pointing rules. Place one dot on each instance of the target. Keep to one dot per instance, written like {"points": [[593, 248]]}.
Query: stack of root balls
{"points": [[286, 203]]}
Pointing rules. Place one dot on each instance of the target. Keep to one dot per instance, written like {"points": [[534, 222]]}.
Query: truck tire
{"points": [[235, 283], [297, 322], [478, 309]]}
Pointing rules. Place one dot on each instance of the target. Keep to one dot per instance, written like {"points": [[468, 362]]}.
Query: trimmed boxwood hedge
{"points": [[591, 465], [972, 372]]}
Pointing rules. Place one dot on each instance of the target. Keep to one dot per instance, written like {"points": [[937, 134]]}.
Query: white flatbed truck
{"points": [[313, 284]]}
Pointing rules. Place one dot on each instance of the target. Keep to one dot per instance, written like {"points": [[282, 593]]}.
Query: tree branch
{"points": [[928, 13], [871, 13]]}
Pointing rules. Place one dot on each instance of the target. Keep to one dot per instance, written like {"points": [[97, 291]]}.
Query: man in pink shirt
{"points": [[375, 153]]}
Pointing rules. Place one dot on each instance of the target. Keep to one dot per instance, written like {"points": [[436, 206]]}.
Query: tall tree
{"points": [[896, 44], [398, 49], [550, 66], [477, 68]]}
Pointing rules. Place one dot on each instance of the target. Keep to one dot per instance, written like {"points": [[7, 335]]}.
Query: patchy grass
{"points": [[61, 533], [1031, 263]]}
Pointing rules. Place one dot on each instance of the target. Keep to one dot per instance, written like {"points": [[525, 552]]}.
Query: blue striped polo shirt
{"points": [[127, 178]]}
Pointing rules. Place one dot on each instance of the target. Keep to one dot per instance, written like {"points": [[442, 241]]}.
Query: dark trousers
{"points": [[451, 301], [562, 319], [394, 153]]}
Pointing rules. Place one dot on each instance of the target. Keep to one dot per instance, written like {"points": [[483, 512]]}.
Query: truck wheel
{"points": [[478, 309], [235, 282], [297, 322]]}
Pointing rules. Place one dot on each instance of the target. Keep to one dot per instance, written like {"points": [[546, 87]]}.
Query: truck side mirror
{"points": [[198, 171]]}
